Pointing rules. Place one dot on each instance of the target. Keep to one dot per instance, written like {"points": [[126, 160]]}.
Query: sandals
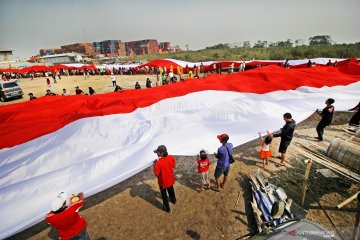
{"points": [[215, 189]]}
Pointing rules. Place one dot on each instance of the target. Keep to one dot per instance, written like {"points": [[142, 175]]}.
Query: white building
{"points": [[63, 58]]}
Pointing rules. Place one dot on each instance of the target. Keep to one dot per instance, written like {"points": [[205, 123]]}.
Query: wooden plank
{"points": [[357, 222], [307, 173], [237, 200], [255, 182]]}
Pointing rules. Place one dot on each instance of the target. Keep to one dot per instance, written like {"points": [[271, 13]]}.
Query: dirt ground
{"points": [[132, 208], [101, 84]]}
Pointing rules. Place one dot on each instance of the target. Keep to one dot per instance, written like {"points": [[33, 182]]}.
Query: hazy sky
{"points": [[26, 26]]}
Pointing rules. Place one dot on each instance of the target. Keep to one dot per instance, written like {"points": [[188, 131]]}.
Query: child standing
{"points": [[265, 151], [203, 168], [48, 83]]}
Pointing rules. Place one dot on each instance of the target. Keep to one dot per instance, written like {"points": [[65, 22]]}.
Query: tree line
{"points": [[318, 46], [318, 40]]}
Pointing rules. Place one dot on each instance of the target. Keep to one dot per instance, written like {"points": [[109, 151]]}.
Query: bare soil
{"points": [[132, 208], [101, 84]]}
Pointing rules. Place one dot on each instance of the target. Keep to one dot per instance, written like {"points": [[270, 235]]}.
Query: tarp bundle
{"points": [[270, 203]]}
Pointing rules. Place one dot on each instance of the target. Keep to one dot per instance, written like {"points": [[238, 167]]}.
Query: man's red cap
{"points": [[222, 136]]}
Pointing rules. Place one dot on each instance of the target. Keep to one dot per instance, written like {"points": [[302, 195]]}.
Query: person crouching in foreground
{"points": [[66, 219], [164, 171]]}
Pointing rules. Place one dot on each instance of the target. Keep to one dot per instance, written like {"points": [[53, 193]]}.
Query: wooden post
{"points": [[357, 221], [307, 173]]}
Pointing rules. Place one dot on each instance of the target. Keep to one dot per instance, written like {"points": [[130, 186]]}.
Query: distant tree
{"points": [[320, 40], [219, 46], [246, 44], [236, 45], [280, 44], [272, 44], [299, 42], [260, 44], [286, 43]]}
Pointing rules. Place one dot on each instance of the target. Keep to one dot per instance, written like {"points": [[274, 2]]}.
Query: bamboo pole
{"points": [[346, 201], [237, 200], [307, 173], [331, 165], [357, 221]]}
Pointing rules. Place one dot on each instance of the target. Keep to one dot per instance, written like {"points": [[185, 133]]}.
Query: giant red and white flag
{"points": [[89, 143]]}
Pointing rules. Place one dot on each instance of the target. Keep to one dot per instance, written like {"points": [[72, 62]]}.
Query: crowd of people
{"points": [[163, 75], [78, 91], [196, 70], [5, 76], [166, 78], [148, 70]]}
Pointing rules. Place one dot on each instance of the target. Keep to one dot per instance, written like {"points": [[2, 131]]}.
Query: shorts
{"points": [[205, 179], [265, 154], [219, 172], [283, 146]]}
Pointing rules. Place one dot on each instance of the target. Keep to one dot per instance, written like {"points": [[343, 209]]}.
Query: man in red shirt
{"points": [[164, 171], [66, 220]]}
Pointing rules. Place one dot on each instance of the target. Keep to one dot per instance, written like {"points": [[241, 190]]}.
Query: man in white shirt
{"points": [[171, 75], [113, 79], [232, 68], [65, 93]]}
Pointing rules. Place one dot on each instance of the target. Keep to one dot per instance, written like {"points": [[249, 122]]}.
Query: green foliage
{"points": [[260, 44], [286, 43], [215, 55], [246, 44], [272, 53], [320, 40], [219, 46]]}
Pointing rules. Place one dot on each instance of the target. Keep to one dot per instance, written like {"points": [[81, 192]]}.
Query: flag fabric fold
{"points": [[89, 143]]}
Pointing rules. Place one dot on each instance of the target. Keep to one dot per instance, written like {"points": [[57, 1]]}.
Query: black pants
{"points": [[83, 235], [320, 129], [171, 192], [283, 146], [354, 121], [114, 83]]}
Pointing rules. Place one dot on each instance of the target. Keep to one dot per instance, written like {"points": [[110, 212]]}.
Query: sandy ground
{"points": [[132, 208], [101, 84]]}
